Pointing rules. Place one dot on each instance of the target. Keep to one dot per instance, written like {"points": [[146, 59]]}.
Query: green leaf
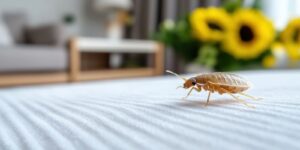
{"points": [[231, 5], [179, 37], [257, 5], [207, 56]]}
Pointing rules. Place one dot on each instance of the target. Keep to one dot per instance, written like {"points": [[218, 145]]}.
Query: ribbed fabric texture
{"points": [[148, 113]]}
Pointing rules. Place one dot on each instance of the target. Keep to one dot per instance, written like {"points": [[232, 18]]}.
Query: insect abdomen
{"points": [[224, 81]]}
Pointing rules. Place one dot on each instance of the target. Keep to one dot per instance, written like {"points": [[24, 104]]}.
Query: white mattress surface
{"points": [[148, 113]]}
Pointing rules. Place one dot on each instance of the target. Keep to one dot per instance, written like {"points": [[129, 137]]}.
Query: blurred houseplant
{"points": [[223, 38]]}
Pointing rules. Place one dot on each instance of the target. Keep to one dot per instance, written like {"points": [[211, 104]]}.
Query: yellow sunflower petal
{"points": [[291, 38], [210, 23], [250, 34]]}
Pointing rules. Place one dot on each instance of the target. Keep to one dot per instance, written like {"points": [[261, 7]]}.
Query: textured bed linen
{"points": [[148, 113]]}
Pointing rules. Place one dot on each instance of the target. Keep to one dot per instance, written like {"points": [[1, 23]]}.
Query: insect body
{"points": [[217, 82]]}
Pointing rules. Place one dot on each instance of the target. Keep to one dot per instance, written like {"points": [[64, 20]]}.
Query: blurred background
{"points": [[45, 41]]}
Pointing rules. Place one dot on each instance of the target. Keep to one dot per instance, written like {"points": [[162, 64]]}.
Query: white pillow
{"points": [[5, 36]]}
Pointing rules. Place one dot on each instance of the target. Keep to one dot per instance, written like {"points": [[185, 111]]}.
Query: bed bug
{"points": [[217, 82]]}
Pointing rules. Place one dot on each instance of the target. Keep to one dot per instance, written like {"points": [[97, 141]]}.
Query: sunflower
{"points": [[210, 23], [249, 36], [291, 38]]}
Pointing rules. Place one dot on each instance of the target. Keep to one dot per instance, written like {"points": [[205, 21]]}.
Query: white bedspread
{"points": [[148, 113]]}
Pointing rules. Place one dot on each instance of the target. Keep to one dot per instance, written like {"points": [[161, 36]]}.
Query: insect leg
{"points": [[235, 97], [208, 97], [249, 96], [198, 89], [238, 99], [189, 93]]}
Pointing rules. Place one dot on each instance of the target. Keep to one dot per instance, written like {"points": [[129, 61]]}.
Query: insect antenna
{"points": [[179, 87], [168, 71]]}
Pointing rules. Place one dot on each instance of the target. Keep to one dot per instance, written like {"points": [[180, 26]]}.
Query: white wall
{"points": [[49, 11], [281, 11]]}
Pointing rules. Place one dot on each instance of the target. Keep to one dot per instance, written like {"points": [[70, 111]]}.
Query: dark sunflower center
{"points": [[214, 26], [296, 35], [246, 33]]}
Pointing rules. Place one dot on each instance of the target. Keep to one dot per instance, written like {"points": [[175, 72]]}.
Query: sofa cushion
{"points": [[32, 58], [51, 34], [16, 23]]}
